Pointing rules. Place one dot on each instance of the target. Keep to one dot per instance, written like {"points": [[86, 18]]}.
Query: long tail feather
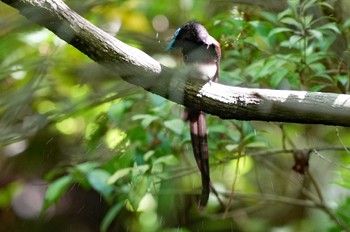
{"points": [[200, 150]]}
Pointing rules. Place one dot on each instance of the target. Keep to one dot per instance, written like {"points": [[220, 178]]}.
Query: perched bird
{"points": [[201, 53]]}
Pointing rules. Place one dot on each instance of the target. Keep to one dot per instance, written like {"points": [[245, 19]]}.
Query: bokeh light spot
{"points": [[160, 23]]}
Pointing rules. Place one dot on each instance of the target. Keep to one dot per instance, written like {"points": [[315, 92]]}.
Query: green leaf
{"points": [[80, 171], [293, 40], [285, 13], [307, 20], [269, 67], [294, 5], [307, 4], [330, 26], [146, 119], [175, 125], [277, 77], [168, 160], [157, 100], [110, 216], [317, 34], [118, 175], [138, 170], [117, 110], [98, 181], [279, 30], [326, 4], [344, 184], [270, 17], [86, 167], [292, 22], [9, 192], [55, 191], [138, 190], [313, 57], [317, 88], [234, 135], [218, 128], [148, 155], [342, 212], [322, 75], [257, 144], [98, 130], [343, 79], [231, 147], [261, 43], [346, 24], [319, 68], [294, 80]]}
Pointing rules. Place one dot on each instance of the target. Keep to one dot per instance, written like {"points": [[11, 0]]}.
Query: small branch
{"points": [[273, 198], [137, 68], [330, 161], [286, 200], [276, 151]]}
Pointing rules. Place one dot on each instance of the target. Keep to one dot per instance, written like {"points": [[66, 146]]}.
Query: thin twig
{"points": [[328, 160]]}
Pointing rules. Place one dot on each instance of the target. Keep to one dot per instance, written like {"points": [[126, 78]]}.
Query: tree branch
{"points": [[137, 68]]}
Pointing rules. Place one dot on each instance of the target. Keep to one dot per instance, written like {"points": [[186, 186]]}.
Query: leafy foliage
{"points": [[82, 129]]}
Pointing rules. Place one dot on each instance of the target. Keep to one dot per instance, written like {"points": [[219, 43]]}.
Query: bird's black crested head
{"points": [[196, 43], [191, 32]]}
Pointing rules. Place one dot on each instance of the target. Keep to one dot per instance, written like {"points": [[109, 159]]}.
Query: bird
{"points": [[201, 54]]}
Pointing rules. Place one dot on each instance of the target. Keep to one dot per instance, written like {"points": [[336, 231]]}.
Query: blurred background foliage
{"points": [[81, 150]]}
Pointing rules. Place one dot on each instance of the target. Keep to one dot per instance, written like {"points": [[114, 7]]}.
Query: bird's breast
{"points": [[205, 71]]}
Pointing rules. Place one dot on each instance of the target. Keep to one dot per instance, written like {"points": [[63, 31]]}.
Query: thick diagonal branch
{"points": [[136, 67]]}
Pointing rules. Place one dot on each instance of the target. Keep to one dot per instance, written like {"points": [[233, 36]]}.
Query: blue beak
{"points": [[172, 42]]}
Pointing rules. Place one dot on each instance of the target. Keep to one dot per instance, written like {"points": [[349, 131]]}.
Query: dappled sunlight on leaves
{"points": [[118, 158]]}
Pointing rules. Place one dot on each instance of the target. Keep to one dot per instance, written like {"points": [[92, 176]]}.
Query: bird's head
{"points": [[196, 43]]}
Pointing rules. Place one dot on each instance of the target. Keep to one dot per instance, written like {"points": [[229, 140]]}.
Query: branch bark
{"points": [[137, 68]]}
